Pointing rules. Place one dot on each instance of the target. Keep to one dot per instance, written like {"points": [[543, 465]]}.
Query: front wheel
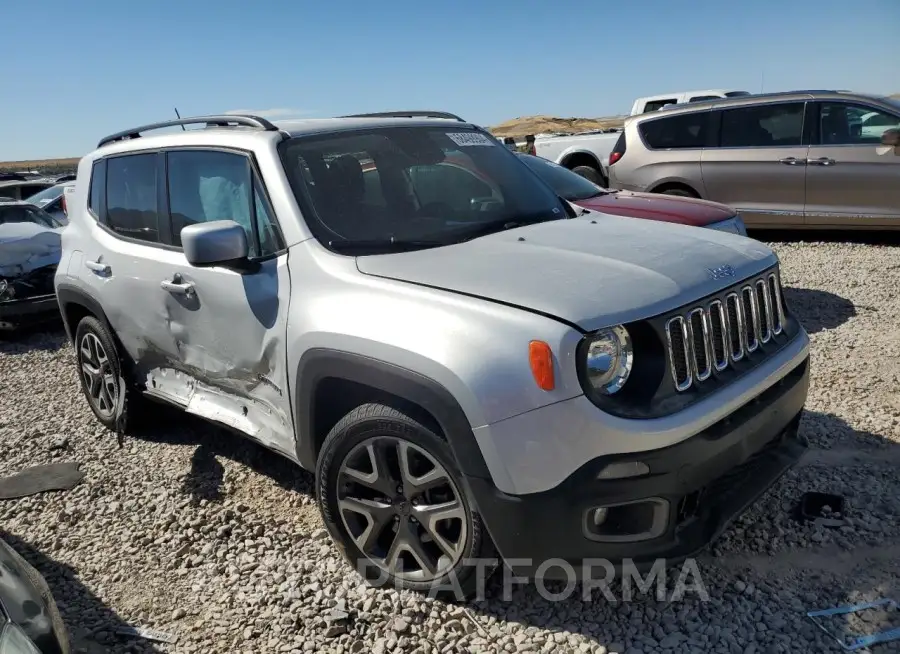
{"points": [[591, 174], [392, 498]]}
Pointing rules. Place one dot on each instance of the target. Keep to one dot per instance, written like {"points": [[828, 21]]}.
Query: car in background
{"points": [[53, 200], [585, 154], [686, 211], [30, 622], [800, 159], [29, 254], [18, 187], [657, 102]]}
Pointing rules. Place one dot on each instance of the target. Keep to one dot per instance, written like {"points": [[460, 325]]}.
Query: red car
{"points": [[667, 208]]}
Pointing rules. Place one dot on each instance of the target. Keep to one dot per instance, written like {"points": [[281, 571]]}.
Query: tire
{"points": [[376, 540], [591, 174], [679, 192], [105, 390]]}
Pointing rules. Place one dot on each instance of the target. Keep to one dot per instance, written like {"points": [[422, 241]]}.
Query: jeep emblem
{"points": [[721, 272]]}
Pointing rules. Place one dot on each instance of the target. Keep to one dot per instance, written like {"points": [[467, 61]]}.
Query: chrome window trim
{"points": [[689, 377], [704, 335]]}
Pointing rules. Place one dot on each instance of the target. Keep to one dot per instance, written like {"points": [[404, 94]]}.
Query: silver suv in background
{"points": [[818, 159], [468, 364]]}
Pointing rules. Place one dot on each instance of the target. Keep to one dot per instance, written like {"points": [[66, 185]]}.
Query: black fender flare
{"points": [[318, 364], [68, 294]]}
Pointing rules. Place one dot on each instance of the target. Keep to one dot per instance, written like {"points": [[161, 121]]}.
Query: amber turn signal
{"points": [[541, 359]]}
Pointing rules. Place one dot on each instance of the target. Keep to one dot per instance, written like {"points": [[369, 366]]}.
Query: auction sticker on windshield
{"points": [[462, 139]]}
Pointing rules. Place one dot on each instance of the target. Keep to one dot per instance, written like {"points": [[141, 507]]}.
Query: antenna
{"points": [[183, 128]]}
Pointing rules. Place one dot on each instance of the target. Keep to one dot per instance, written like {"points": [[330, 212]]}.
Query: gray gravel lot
{"points": [[194, 531]]}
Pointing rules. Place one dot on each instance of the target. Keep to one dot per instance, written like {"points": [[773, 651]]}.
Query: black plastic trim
{"points": [[211, 121], [319, 364], [408, 114], [730, 464]]}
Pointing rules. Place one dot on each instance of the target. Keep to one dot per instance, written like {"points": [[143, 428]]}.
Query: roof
{"points": [[240, 127], [753, 99]]}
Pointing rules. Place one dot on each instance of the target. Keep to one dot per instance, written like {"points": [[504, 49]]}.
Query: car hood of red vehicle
{"points": [[654, 206]]}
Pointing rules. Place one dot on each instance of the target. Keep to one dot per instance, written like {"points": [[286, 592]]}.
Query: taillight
{"points": [[618, 150]]}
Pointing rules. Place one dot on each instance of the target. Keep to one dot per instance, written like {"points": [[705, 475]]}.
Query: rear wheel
{"points": [[591, 174], [392, 498]]}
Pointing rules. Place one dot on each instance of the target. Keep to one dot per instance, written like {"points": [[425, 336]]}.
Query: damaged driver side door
{"points": [[226, 326]]}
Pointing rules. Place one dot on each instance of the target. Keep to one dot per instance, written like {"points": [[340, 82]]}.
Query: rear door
{"points": [[758, 163], [852, 180]]}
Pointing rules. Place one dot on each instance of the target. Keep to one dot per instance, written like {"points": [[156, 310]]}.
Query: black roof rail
{"points": [[211, 121], [408, 114]]}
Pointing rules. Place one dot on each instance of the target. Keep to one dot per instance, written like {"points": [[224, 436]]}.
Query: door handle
{"points": [[98, 267], [177, 287], [792, 161], [821, 161]]}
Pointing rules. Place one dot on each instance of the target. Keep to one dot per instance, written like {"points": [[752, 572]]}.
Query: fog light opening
{"points": [[628, 522]]}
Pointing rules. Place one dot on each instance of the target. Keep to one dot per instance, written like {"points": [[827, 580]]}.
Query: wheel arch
{"points": [[673, 183], [75, 304], [572, 158], [330, 381]]}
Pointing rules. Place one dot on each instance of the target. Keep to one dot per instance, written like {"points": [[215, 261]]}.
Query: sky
{"points": [[78, 71]]}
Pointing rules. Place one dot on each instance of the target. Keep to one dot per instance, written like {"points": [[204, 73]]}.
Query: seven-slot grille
{"points": [[711, 337]]}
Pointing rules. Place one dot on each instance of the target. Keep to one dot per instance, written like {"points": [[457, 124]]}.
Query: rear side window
{"points": [[676, 132], [131, 206], [98, 187], [772, 125]]}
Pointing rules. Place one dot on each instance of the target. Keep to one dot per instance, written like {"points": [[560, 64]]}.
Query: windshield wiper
{"points": [[383, 245], [493, 228]]}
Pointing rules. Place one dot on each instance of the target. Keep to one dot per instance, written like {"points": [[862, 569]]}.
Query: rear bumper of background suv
{"points": [[693, 490]]}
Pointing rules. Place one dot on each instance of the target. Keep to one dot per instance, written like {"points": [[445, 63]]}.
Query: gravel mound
{"points": [[193, 531]]}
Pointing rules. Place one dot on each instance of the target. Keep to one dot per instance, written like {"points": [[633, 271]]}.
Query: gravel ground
{"points": [[196, 532]]}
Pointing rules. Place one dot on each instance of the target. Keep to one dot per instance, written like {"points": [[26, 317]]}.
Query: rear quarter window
{"points": [[676, 132]]}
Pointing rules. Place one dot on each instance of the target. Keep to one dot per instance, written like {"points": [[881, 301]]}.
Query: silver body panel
{"points": [[461, 315]]}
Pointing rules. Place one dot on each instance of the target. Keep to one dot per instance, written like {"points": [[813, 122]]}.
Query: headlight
{"points": [[609, 357]]}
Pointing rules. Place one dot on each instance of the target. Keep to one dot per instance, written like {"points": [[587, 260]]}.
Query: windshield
{"points": [[21, 213], [564, 182], [435, 184], [46, 196]]}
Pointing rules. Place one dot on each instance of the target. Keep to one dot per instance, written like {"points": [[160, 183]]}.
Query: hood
{"points": [[654, 206], [594, 271], [27, 246]]}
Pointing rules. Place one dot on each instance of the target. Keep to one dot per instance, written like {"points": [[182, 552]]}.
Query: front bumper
{"points": [[27, 311], [703, 483]]}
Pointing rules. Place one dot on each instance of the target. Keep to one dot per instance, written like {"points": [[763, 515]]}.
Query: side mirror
{"points": [[216, 243], [891, 137]]}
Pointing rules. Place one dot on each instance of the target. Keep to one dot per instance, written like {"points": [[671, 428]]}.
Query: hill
{"points": [[520, 127], [49, 166]]}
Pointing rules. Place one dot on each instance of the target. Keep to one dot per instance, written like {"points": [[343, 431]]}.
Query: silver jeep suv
{"points": [[472, 366]]}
